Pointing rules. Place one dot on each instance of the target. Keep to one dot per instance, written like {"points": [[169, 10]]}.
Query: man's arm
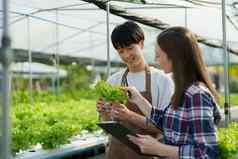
{"points": [[165, 92]]}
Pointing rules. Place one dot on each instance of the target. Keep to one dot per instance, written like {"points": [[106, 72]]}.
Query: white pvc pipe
{"points": [[5, 151], [29, 59], [108, 41], [57, 55], [226, 65], [92, 50]]}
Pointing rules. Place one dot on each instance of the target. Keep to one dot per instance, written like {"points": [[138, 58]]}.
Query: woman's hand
{"points": [[120, 112], [134, 94], [147, 144], [150, 145]]}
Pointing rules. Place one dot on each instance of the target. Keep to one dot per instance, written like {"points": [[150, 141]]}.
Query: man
{"points": [[154, 85]]}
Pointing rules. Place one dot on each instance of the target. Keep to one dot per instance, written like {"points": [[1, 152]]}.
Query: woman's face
{"points": [[163, 60]]}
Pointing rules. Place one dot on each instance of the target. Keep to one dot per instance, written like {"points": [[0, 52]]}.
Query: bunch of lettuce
{"points": [[111, 93]]}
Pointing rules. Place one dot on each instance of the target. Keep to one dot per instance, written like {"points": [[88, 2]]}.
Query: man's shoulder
{"points": [[117, 74], [116, 77], [157, 73]]}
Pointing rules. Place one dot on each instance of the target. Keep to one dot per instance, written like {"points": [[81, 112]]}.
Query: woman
{"points": [[188, 122]]}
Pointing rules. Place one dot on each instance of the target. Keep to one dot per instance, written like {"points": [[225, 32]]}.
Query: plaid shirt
{"points": [[190, 127]]}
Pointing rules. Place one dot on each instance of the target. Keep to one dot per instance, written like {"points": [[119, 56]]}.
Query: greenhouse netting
{"points": [[78, 29]]}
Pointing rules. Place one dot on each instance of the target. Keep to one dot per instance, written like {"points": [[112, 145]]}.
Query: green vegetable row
{"points": [[51, 123], [228, 142]]}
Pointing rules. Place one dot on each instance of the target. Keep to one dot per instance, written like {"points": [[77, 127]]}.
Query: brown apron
{"points": [[118, 150]]}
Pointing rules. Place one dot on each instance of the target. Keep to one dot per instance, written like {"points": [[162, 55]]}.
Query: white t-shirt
{"points": [[162, 87]]}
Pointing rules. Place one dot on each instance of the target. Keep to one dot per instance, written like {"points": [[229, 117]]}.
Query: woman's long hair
{"points": [[188, 66]]}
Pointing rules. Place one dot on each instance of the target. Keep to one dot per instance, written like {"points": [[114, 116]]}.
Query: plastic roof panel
{"points": [[45, 4]]}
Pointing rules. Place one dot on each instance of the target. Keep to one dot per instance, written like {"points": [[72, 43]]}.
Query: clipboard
{"points": [[120, 132]]}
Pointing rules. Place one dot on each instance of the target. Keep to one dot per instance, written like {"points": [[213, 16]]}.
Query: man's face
{"points": [[132, 55]]}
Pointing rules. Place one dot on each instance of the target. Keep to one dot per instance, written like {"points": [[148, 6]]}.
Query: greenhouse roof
{"points": [[77, 28]]}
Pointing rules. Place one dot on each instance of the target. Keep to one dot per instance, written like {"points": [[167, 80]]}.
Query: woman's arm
{"points": [[142, 103], [120, 112], [142, 122]]}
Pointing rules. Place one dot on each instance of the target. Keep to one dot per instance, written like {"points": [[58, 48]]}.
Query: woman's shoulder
{"points": [[199, 93], [200, 102], [197, 88]]}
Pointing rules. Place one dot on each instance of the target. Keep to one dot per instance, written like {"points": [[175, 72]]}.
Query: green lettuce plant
{"points": [[111, 93], [228, 141]]}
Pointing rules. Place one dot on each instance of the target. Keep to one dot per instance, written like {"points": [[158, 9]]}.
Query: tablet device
{"points": [[120, 132]]}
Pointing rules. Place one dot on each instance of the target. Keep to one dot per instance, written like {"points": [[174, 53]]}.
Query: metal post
{"points": [[29, 59], [108, 41], [186, 18], [226, 65], [57, 55], [5, 56]]}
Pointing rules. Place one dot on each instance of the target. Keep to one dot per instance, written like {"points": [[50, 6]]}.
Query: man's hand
{"points": [[100, 105], [120, 112]]}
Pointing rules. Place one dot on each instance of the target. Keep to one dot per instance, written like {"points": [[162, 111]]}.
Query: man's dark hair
{"points": [[126, 34]]}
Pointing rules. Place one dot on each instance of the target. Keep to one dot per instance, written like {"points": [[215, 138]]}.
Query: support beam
{"points": [[21, 55]]}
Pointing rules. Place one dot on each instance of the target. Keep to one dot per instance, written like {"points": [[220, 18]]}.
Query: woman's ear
{"points": [[141, 44]]}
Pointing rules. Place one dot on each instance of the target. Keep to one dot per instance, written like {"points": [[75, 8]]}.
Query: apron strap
{"points": [[124, 81], [124, 78], [147, 79]]}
